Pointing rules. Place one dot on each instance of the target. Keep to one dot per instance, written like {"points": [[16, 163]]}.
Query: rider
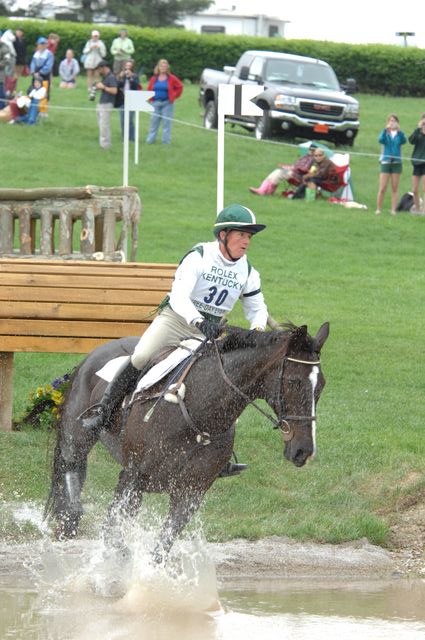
{"points": [[209, 280]]}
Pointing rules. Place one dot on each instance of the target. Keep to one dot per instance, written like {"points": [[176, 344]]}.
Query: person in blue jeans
{"points": [[391, 138], [127, 80], [37, 93], [167, 88]]}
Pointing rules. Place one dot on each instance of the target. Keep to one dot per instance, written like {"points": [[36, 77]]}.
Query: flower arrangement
{"points": [[45, 402]]}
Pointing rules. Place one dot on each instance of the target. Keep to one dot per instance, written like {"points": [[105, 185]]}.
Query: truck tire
{"points": [[210, 115], [263, 126]]}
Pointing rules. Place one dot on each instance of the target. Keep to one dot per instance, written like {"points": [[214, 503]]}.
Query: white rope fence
{"points": [[241, 136]]}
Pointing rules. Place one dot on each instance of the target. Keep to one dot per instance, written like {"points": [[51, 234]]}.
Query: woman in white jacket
{"points": [[94, 51]]}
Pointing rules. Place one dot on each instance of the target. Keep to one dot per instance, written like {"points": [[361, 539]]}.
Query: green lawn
{"points": [[319, 261]]}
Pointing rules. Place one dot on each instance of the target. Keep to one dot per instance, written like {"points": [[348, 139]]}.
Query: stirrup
{"points": [[232, 469], [93, 417]]}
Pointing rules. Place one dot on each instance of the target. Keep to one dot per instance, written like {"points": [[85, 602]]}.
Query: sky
{"points": [[361, 21]]}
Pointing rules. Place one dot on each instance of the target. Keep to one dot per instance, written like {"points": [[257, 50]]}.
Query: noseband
{"points": [[282, 422]]}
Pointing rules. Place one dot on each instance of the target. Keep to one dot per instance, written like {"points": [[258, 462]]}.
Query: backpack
{"points": [[406, 202]]}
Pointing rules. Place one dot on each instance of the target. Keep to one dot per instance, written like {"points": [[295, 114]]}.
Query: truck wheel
{"points": [[210, 116], [263, 127]]}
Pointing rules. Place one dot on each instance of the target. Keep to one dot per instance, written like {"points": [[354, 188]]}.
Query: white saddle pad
{"points": [[158, 371]]}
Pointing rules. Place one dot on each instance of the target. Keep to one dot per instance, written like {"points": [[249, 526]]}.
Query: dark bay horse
{"points": [[180, 448]]}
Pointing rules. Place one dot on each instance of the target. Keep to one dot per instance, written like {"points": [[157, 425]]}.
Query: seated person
{"points": [[293, 172], [37, 93], [322, 172], [18, 106], [68, 70]]}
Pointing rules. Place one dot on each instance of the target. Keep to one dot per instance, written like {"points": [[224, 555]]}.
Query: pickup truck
{"points": [[302, 97]]}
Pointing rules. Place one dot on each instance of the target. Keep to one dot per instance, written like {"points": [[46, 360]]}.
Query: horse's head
{"points": [[294, 392]]}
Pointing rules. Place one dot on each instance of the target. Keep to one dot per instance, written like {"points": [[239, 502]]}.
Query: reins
{"points": [[282, 422]]}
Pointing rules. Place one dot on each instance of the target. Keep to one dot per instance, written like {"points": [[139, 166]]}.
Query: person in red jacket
{"points": [[167, 89]]}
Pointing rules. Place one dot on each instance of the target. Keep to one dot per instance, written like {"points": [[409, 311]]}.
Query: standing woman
{"points": [[94, 52], [391, 138], [167, 89], [417, 138]]}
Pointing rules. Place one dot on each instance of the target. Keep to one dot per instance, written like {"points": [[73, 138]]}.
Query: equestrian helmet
{"points": [[236, 216]]}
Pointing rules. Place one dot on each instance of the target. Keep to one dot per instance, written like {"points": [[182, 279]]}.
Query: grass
{"points": [[363, 273]]}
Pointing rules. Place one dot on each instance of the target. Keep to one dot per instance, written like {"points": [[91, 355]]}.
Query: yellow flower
{"points": [[57, 397], [39, 392]]}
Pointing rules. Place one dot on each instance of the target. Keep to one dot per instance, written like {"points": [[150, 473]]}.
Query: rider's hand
{"points": [[211, 330]]}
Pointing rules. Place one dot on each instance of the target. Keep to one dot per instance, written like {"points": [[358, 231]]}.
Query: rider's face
{"points": [[237, 243]]}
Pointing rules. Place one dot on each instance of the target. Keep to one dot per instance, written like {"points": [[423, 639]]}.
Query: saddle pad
{"points": [[158, 371]]}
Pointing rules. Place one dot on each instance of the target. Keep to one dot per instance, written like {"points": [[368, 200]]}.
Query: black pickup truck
{"points": [[302, 97]]}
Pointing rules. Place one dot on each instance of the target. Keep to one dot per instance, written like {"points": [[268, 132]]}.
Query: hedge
{"points": [[380, 69]]}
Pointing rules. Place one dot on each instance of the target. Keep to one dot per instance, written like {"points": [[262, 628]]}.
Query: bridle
{"points": [[282, 421]]}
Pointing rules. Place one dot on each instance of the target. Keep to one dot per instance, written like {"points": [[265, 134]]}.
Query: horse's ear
{"points": [[322, 335]]}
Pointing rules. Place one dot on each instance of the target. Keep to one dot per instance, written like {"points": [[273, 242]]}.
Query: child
{"points": [[37, 92]]}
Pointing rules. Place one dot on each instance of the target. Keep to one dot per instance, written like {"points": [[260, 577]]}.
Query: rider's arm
{"points": [[253, 303]]}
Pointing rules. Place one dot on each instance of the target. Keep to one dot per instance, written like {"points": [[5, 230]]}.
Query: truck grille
{"points": [[321, 109]]}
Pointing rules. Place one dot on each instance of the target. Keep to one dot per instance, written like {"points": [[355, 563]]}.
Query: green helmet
{"points": [[236, 216]]}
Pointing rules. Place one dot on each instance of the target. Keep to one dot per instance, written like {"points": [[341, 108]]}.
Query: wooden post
{"points": [[87, 235], [46, 232], [6, 390], [122, 244], [136, 212], [6, 228], [25, 240], [65, 232], [109, 221]]}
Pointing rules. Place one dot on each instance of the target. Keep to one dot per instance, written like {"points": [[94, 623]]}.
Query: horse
{"points": [[179, 448]]}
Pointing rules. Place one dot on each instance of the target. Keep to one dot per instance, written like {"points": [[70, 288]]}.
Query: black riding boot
{"points": [[232, 468], [98, 416]]}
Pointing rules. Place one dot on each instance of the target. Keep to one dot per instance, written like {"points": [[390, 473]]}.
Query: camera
{"points": [[92, 92]]}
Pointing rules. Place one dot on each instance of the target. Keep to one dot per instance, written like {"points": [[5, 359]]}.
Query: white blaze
{"points": [[313, 377]]}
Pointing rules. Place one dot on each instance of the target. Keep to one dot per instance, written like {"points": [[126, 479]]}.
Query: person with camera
{"points": [[391, 166], [122, 49], [417, 138], [128, 80], [94, 51], [109, 89]]}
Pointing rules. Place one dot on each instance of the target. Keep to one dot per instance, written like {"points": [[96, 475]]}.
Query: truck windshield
{"points": [[305, 73]]}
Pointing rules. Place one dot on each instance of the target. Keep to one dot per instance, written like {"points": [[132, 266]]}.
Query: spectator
{"points": [[37, 93], [127, 80], [122, 49], [322, 171], [94, 51], [42, 65], [5, 59], [68, 70], [293, 172], [108, 88], [52, 44], [8, 37], [21, 53], [417, 138], [18, 106], [9, 86], [167, 88], [391, 139]]}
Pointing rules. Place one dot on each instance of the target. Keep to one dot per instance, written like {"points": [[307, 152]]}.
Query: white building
{"points": [[235, 23]]}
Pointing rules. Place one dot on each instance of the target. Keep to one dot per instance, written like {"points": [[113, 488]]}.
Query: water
{"points": [[78, 591]]}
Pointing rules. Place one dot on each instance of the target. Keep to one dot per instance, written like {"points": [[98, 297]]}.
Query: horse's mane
{"points": [[237, 338]]}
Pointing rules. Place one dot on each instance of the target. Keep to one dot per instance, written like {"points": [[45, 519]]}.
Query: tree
{"points": [[153, 13], [4, 9]]}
